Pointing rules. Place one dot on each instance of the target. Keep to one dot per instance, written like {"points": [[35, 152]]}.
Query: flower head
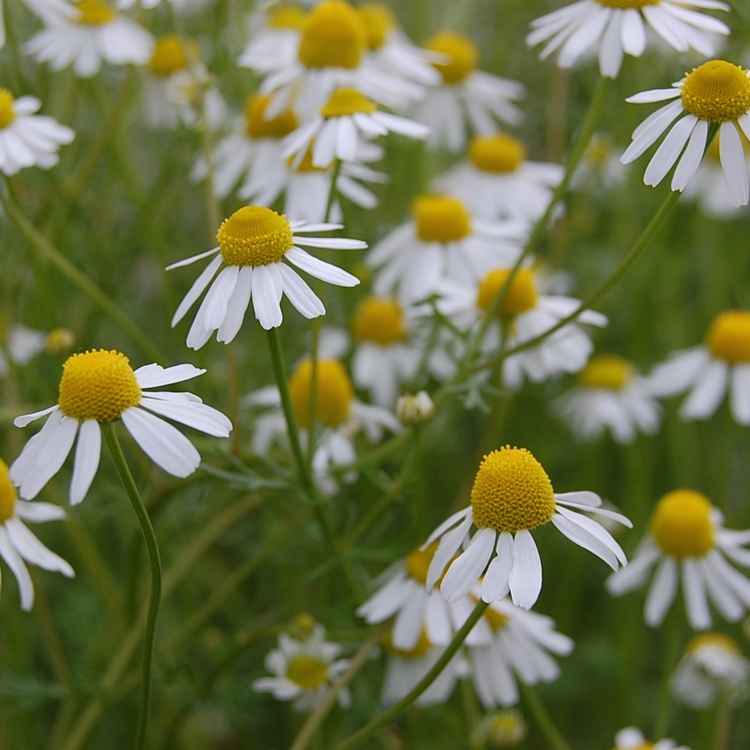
{"points": [[631, 738]]}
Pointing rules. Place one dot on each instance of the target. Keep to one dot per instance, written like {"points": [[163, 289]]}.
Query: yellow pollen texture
{"points": [[307, 671], [713, 640], [627, 4], [347, 101], [287, 17], [728, 336], [380, 321], [170, 55], [422, 646], [254, 236], [334, 392], [607, 371], [378, 20], [460, 53], [94, 13], [333, 37], [520, 297], [439, 218], [500, 154], [98, 384], [681, 524], [8, 494], [716, 91], [257, 126], [7, 113], [511, 492]]}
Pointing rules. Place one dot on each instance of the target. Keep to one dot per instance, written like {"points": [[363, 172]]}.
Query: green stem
{"points": [[723, 726], [543, 719], [156, 581]]}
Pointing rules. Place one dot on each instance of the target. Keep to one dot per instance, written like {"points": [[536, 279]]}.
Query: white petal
{"points": [[320, 269], [17, 567], [86, 462], [670, 148], [662, 592], [33, 551], [525, 578], [152, 376], [466, 569], [196, 415], [733, 164], [495, 583], [694, 589]]}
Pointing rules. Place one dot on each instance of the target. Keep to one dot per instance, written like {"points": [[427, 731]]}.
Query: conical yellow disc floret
{"points": [[333, 37], [8, 494], [379, 320], [307, 671], [98, 384], [511, 492], [461, 55], [170, 55], [500, 154], [439, 218], [334, 392], [94, 13], [254, 236], [607, 371], [7, 112], [287, 17], [681, 524], [717, 91], [347, 101], [379, 21], [257, 126], [421, 647], [520, 297], [627, 4], [728, 336]]}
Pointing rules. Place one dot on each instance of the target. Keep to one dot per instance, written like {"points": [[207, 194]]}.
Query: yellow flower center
{"points": [[441, 219], [347, 102], [728, 336], [98, 384], [7, 112], [333, 394], [8, 494], [333, 37], [170, 55], [379, 21], [94, 13], [607, 371], [511, 492], [460, 52], [287, 17], [627, 4], [307, 672], [506, 728], [643, 745], [59, 340], [681, 524], [422, 646], [379, 320], [256, 125], [520, 297], [717, 91], [254, 236], [418, 562], [497, 153], [713, 640]]}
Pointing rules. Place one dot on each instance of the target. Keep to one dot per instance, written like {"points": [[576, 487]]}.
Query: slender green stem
{"points": [[723, 726], [543, 719], [156, 582], [398, 708]]}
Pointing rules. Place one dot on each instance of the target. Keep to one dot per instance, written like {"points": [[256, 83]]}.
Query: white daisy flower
{"points": [[274, 39], [442, 241], [686, 538], [610, 396], [611, 28], [96, 34], [26, 139], [712, 666], [18, 543], [600, 167], [511, 496], [631, 738], [468, 98], [415, 408], [715, 93], [253, 243], [23, 344], [498, 181], [719, 366], [99, 386], [303, 670]]}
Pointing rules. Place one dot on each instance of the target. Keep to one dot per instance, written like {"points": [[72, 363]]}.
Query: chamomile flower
{"points": [[96, 34], [686, 538], [442, 241], [344, 121], [631, 738], [499, 182], [22, 344], [715, 93], [18, 544], [27, 139], [248, 264], [610, 396], [98, 387], [468, 98], [612, 28], [511, 496], [720, 365]]}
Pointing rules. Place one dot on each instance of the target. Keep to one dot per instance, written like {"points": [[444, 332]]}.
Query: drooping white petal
{"points": [[19, 570], [495, 582], [86, 462], [662, 592], [466, 569], [33, 551], [196, 415], [525, 579]]}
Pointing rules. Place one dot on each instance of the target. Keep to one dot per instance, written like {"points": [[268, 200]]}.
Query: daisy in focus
{"points": [[631, 738], [686, 538], [512, 495], [18, 545], [248, 265], [610, 396], [98, 387], [611, 28], [719, 366], [716, 93], [27, 139]]}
